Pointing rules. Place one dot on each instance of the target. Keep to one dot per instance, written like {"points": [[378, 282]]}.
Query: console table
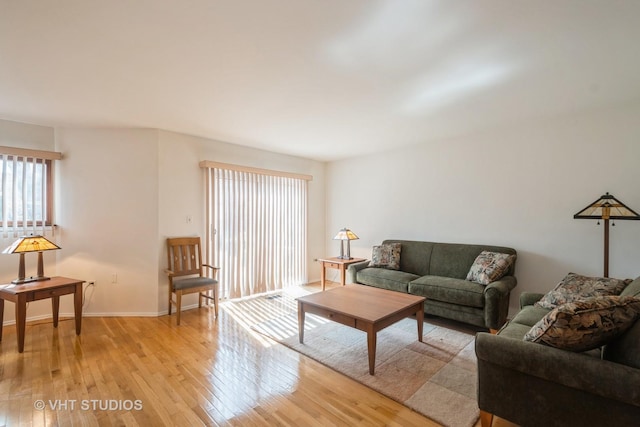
{"points": [[53, 288], [337, 263]]}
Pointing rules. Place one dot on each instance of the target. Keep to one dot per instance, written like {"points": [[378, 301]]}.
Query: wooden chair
{"points": [[186, 273]]}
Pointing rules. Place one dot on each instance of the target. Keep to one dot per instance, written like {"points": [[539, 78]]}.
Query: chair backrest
{"points": [[185, 256]]}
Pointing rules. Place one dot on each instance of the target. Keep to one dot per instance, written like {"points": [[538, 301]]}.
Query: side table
{"points": [[34, 291], [337, 263]]}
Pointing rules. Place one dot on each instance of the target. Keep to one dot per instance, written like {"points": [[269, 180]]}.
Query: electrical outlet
{"points": [[114, 278], [91, 282]]}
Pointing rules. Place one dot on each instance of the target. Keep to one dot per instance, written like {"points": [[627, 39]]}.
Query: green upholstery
{"points": [[625, 349], [447, 289], [529, 298], [529, 316], [534, 384], [438, 272], [455, 260], [414, 256], [386, 279], [632, 289]]}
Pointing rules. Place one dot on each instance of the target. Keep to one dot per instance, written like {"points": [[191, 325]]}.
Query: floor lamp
{"points": [[607, 208]]}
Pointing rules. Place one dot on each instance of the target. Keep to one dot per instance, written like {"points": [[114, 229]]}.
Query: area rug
{"points": [[436, 378]]}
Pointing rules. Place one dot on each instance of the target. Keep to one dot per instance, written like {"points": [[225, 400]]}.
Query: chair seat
{"points": [[193, 282]]}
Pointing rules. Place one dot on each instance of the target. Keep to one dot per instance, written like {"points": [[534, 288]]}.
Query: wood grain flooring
{"points": [[128, 371]]}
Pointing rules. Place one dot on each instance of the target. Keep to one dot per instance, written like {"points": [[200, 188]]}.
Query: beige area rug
{"points": [[436, 378]]}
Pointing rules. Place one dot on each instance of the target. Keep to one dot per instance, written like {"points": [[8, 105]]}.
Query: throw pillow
{"points": [[386, 256], [489, 267], [575, 287], [587, 324]]}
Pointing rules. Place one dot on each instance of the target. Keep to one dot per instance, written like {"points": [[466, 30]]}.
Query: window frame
{"points": [[36, 157], [48, 199]]}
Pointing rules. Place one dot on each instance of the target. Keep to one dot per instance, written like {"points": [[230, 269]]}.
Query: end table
{"points": [[34, 291], [337, 263]]}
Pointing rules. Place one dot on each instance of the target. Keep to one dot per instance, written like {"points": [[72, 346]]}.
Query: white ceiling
{"points": [[322, 79]]}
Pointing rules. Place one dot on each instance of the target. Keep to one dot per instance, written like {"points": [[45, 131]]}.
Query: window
{"points": [[26, 190], [257, 231]]}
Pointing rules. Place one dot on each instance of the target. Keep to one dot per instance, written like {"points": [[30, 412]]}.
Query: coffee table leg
{"points": [[420, 320], [300, 321], [371, 347]]}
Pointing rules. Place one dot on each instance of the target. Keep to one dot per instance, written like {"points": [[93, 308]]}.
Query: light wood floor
{"points": [[205, 372]]}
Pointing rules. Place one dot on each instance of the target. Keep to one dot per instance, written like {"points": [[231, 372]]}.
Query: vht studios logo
{"points": [[89, 405]]}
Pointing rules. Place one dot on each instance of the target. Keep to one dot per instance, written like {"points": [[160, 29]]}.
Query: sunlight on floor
{"points": [[275, 312]]}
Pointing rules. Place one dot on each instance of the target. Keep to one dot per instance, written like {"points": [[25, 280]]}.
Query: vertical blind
{"points": [[26, 191], [257, 230]]}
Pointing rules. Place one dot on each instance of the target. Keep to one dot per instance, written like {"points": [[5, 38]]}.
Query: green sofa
{"points": [[438, 271], [532, 384]]}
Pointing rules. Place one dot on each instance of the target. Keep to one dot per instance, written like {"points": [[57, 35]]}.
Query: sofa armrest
{"points": [[502, 287], [352, 270], [572, 370], [496, 301], [529, 298]]}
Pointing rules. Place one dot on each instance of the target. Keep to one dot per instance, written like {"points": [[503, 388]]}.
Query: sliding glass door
{"points": [[257, 230]]}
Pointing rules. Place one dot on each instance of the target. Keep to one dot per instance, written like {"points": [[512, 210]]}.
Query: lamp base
{"points": [[344, 257], [29, 280]]}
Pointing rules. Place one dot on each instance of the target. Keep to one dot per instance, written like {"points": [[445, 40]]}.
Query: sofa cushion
{"points": [[386, 256], [576, 287], [193, 282], [626, 348], [489, 267], [446, 289], [586, 324], [514, 330], [385, 279], [455, 260], [415, 257], [530, 315]]}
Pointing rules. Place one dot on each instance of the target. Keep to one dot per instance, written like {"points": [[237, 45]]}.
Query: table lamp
{"points": [[348, 235], [30, 244]]}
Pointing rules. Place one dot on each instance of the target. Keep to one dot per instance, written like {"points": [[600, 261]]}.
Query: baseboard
{"points": [[71, 315]]}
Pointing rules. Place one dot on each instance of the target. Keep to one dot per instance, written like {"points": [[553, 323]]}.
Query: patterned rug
{"points": [[436, 378]]}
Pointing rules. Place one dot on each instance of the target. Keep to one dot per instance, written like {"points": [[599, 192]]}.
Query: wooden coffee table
{"points": [[362, 307]]}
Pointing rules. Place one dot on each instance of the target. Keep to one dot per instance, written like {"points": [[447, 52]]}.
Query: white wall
{"points": [[120, 193], [182, 188], [517, 187], [23, 135], [107, 213], [13, 134]]}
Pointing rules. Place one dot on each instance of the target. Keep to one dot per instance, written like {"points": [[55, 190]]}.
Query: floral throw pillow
{"points": [[586, 324], [489, 267], [386, 256], [575, 287]]}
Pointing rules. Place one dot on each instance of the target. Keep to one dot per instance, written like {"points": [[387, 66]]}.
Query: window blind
{"points": [[26, 191], [257, 229]]}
